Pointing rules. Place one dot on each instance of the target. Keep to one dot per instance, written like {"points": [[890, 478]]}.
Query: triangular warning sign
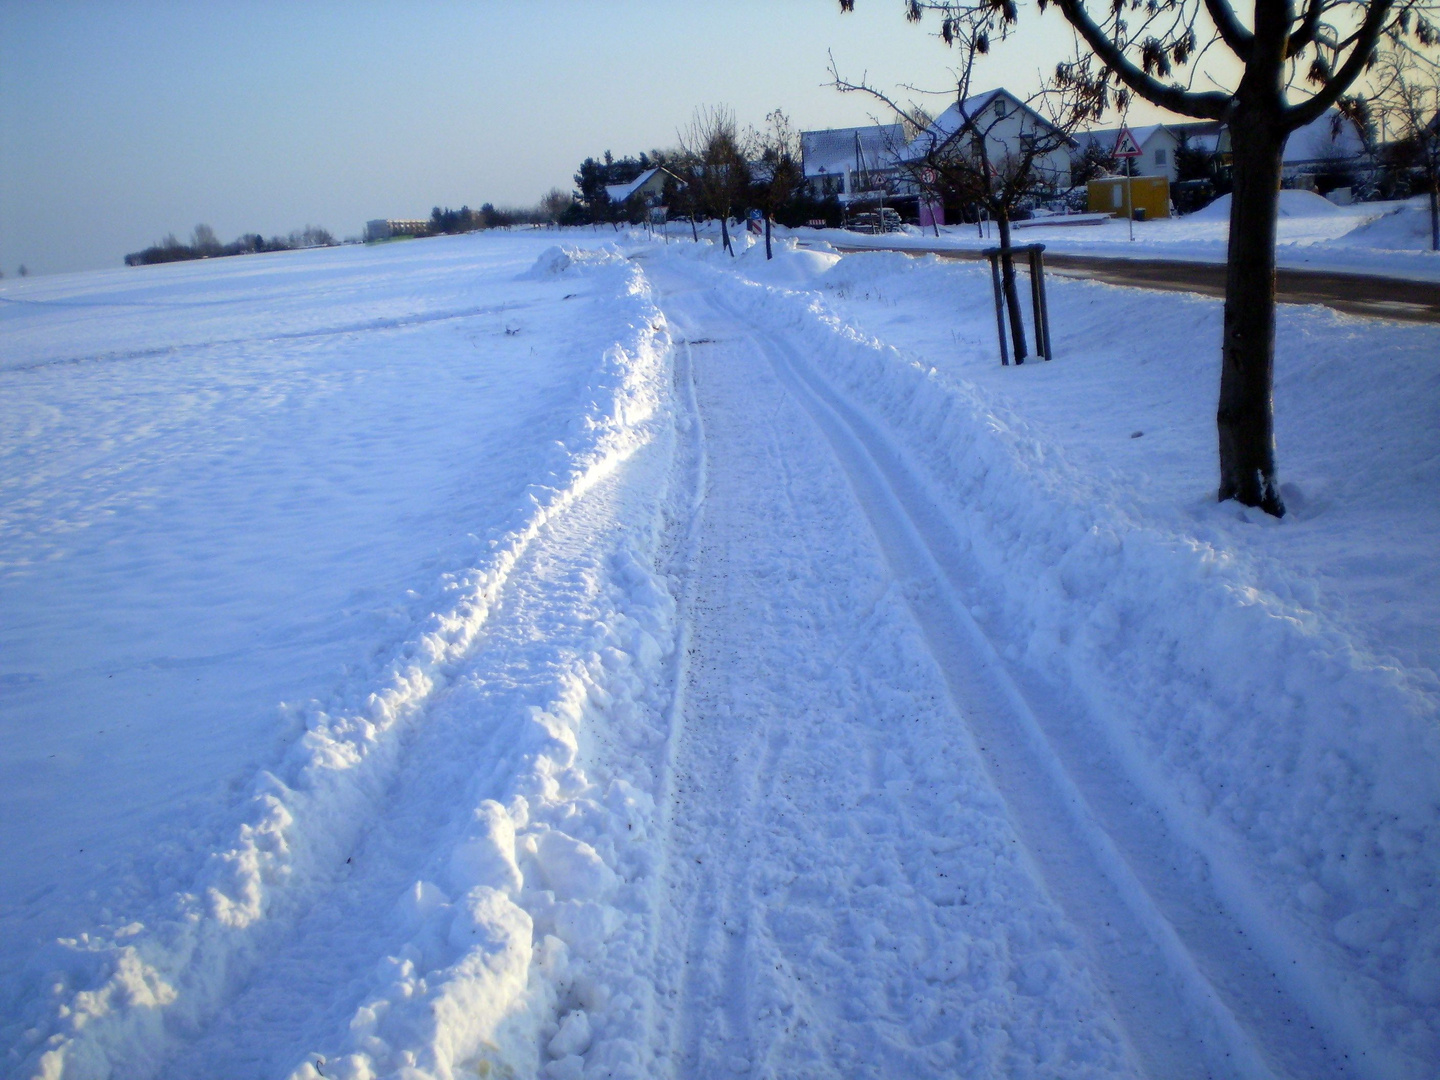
{"points": [[1125, 144]]}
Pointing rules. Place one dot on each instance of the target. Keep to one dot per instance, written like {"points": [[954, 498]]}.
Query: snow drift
{"points": [[1293, 204]]}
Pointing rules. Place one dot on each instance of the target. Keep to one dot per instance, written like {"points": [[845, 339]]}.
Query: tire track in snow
{"points": [[716, 930], [844, 894], [1196, 997]]}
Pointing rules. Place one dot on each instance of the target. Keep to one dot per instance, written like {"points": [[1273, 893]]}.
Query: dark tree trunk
{"points": [[1246, 413], [694, 232], [1007, 284], [767, 236], [725, 233]]}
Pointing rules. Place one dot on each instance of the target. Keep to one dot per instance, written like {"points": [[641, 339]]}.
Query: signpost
{"points": [[1127, 149], [931, 209]]}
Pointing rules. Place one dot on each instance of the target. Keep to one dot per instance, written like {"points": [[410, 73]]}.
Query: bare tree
{"points": [[990, 149], [686, 170], [913, 120], [1408, 100], [554, 204], [718, 173], [204, 240], [1295, 62], [780, 174]]}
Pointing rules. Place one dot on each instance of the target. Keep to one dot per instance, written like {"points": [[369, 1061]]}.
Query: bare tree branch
{"points": [[1362, 54], [1207, 106], [1231, 32]]}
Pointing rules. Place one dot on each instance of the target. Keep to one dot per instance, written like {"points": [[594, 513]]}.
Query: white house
{"points": [[1009, 126], [844, 161], [1321, 144], [1157, 144], [649, 185], [1324, 143]]}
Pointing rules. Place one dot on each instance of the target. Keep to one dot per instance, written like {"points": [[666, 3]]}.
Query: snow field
{"points": [[128, 990], [1284, 744]]}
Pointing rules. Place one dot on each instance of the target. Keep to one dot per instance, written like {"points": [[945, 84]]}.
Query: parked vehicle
{"points": [[884, 220]]}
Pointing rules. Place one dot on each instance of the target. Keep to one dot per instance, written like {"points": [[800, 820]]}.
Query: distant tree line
{"points": [[204, 244], [549, 211]]}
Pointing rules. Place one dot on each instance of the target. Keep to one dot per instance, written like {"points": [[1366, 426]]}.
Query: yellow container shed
{"points": [[1149, 193]]}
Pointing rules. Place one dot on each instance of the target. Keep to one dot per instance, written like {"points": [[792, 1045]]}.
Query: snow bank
{"points": [[1406, 227], [1293, 204], [1304, 767], [527, 944], [568, 257], [128, 989], [789, 265], [530, 947]]}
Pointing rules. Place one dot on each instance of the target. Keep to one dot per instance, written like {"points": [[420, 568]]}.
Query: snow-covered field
{"points": [[472, 657], [1390, 239]]}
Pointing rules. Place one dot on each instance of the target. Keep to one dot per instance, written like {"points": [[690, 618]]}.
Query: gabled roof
{"points": [[1332, 135], [619, 193], [945, 126], [833, 151], [1106, 137]]}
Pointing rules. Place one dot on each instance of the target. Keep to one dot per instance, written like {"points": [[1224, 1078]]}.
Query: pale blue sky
{"points": [[120, 122]]}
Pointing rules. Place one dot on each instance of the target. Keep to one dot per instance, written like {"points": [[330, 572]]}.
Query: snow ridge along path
{"points": [[145, 984]]}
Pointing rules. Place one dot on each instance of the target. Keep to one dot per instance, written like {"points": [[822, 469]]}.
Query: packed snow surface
{"points": [[507, 656]]}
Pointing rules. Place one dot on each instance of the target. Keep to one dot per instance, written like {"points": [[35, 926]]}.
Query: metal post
{"points": [[994, 254], [1038, 299], [1039, 304], [1044, 307], [1130, 199], [1036, 313]]}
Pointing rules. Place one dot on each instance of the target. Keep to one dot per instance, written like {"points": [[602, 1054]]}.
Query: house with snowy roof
{"points": [[1331, 142], [851, 162], [1157, 144], [649, 185], [1009, 127]]}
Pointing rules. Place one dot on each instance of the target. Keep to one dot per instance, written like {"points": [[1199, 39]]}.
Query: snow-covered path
{"points": [[799, 694], [888, 858]]}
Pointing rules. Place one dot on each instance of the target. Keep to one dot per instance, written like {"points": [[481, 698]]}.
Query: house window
{"points": [[1000, 107], [1160, 157]]}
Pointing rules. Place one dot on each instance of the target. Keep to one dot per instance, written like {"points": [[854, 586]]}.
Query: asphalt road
{"points": [[1354, 294]]}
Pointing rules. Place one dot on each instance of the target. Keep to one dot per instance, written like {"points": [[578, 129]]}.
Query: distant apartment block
{"points": [[385, 228]]}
